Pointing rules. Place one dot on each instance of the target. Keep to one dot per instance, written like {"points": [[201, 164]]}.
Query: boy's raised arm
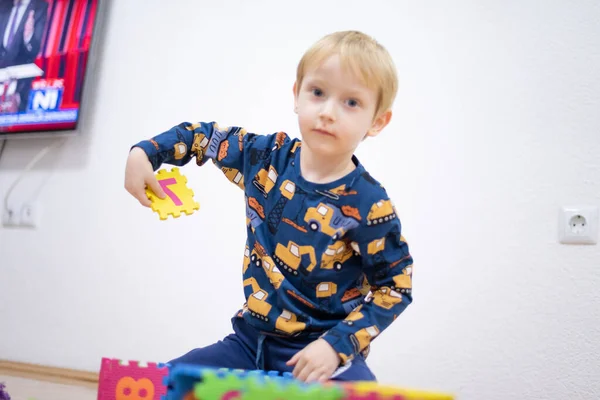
{"points": [[202, 140], [228, 148]]}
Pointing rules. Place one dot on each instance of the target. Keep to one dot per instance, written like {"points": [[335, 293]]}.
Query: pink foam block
{"points": [[121, 381]]}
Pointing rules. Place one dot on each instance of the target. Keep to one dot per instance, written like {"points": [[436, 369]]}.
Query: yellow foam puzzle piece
{"points": [[406, 393], [179, 198]]}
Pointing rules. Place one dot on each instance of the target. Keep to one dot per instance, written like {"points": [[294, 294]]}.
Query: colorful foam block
{"points": [[134, 381]]}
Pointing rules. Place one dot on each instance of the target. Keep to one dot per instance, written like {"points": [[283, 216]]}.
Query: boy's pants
{"points": [[249, 349]]}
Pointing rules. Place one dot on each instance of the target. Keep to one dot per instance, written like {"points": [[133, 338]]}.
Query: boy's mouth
{"points": [[323, 132]]}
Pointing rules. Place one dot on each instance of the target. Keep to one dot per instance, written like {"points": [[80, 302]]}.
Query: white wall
{"points": [[496, 126]]}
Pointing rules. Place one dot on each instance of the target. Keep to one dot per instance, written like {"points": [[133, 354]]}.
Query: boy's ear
{"points": [[295, 99], [379, 123]]}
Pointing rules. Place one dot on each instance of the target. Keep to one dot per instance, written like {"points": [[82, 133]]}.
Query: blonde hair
{"points": [[364, 57]]}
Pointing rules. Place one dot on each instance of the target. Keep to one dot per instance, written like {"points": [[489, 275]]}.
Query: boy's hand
{"points": [[138, 175], [316, 362]]}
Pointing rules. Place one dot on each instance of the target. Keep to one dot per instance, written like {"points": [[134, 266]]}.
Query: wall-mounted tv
{"points": [[44, 49]]}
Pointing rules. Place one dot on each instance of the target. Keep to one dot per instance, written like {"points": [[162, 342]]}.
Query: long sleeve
{"points": [[228, 148], [387, 265], [204, 140]]}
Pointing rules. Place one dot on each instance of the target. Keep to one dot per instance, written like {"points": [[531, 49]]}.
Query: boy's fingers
{"points": [[294, 359], [300, 367], [304, 373], [143, 198], [155, 186], [314, 376], [145, 202]]}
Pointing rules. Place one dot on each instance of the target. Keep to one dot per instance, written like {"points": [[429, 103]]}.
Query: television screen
{"points": [[44, 46]]}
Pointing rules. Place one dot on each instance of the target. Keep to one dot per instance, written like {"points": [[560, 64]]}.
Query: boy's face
{"points": [[336, 110]]}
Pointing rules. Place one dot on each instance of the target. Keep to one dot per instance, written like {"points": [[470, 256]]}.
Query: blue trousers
{"points": [[249, 349]]}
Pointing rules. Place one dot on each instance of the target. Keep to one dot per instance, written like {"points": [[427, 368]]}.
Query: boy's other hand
{"points": [[139, 175], [315, 363]]}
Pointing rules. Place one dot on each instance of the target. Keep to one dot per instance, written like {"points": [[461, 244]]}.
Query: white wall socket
{"points": [[26, 215], [578, 225], [10, 217], [30, 215]]}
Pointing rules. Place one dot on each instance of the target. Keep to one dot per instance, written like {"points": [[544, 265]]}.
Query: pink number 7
{"points": [[164, 183]]}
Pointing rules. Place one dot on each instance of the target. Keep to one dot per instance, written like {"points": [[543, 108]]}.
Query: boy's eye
{"points": [[352, 103], [317, 92]]}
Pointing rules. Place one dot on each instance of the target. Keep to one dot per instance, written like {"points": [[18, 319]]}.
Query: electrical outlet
{"points": [[578, 225], [30, 215], [10, 218], [26, 215]]}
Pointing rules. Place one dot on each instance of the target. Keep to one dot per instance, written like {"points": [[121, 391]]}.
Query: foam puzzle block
{"points": [[135, 381], [179, 198], [131, 380], [182, 379]]}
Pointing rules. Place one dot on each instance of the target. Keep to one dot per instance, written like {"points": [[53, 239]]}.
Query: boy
{"points": [[322, 233]]}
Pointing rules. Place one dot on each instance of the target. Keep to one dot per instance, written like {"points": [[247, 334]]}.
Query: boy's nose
{"points": [[327, 111]]}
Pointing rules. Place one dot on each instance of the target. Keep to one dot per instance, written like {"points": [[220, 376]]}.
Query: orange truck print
{"points": [[330, 220], [234, 176], [354, 316], [363, 337], [290, 257], [275, 276], [403, 282], [382, 211], [257, 301], [265, 180], [384, 297], [288, 323], [335, 255]]}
